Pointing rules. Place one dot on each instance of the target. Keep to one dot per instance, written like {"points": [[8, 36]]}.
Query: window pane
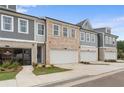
{"points": [[93, 38], [23, 26], [65, 32], [40, 29], [82, 36], [87, 37], [73, 33], [56, 30], [7, 23]]}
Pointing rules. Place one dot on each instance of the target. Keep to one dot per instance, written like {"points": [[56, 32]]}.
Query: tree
{"points": [[120, 47]]}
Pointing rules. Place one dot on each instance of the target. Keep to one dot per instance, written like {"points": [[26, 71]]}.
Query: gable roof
{"points": [[61, 21], [85, 24], [8, 10]]}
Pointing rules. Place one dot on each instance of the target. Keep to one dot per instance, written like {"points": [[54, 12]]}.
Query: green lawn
{"points": [[7, 75], [48, 70]]}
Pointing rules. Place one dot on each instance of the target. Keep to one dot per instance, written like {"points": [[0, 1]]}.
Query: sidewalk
{"points": [[27, 78]]}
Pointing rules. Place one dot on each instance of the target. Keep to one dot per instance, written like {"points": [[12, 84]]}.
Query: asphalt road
{"points": [[115, 80]]}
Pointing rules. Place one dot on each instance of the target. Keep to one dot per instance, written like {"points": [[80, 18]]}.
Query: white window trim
{"points": [[71, 33], [19, 26], [37, 29], [89, 37], [63, 32], [93, 37], [58, 30], [2, 28], [106, 39], [7, 6], [84, 36]]}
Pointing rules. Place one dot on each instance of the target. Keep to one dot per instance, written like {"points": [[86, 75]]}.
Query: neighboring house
{"points": [[62, 44], [88, 42], [22, 36], [107, 44]]}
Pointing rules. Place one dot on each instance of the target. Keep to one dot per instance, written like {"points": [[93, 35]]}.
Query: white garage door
{"points": [[63, 56], [88, 56], [110, 55]]}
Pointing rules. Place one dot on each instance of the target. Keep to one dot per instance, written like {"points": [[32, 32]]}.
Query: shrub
{"points": [[14, 65], [43, 65], [6, 63], [34, 64], [111, 60], [52, 65], [85, 62]]}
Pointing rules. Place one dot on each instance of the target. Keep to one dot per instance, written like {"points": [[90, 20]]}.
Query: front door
{"points": [[39, 54]]}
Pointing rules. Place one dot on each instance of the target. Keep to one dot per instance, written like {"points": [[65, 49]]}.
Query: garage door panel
{"points": [[88, 56], [110, 55], [63, 56]]}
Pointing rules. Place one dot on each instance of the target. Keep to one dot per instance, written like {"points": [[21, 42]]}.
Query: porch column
{"points": [[34, 53]]}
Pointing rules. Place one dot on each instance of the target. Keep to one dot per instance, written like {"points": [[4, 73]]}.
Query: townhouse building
{"points": [[107, 44], [62, 44], [22, 36], [30, 39], [88, 42]]}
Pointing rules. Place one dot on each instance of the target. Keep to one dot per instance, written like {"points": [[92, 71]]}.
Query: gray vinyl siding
{"points": [[89, 43], [15, 34]]}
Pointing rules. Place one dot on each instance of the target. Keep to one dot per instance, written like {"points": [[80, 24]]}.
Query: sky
{"points": [[99, 16]]}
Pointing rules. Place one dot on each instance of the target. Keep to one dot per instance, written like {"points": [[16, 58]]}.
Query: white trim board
{"points": [[17, 40]]}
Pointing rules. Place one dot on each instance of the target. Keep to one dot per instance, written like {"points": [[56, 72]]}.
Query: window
{"points": [[82, 36], [73, 33], [65, 33], [87, 37], [106, 40], [114, 41], [56, 30], [41, 29], [110, 40], [23, 25], [93, 38], [7, 23]]}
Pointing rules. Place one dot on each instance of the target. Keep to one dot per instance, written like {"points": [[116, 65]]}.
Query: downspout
{"points": [[45, 39]]}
